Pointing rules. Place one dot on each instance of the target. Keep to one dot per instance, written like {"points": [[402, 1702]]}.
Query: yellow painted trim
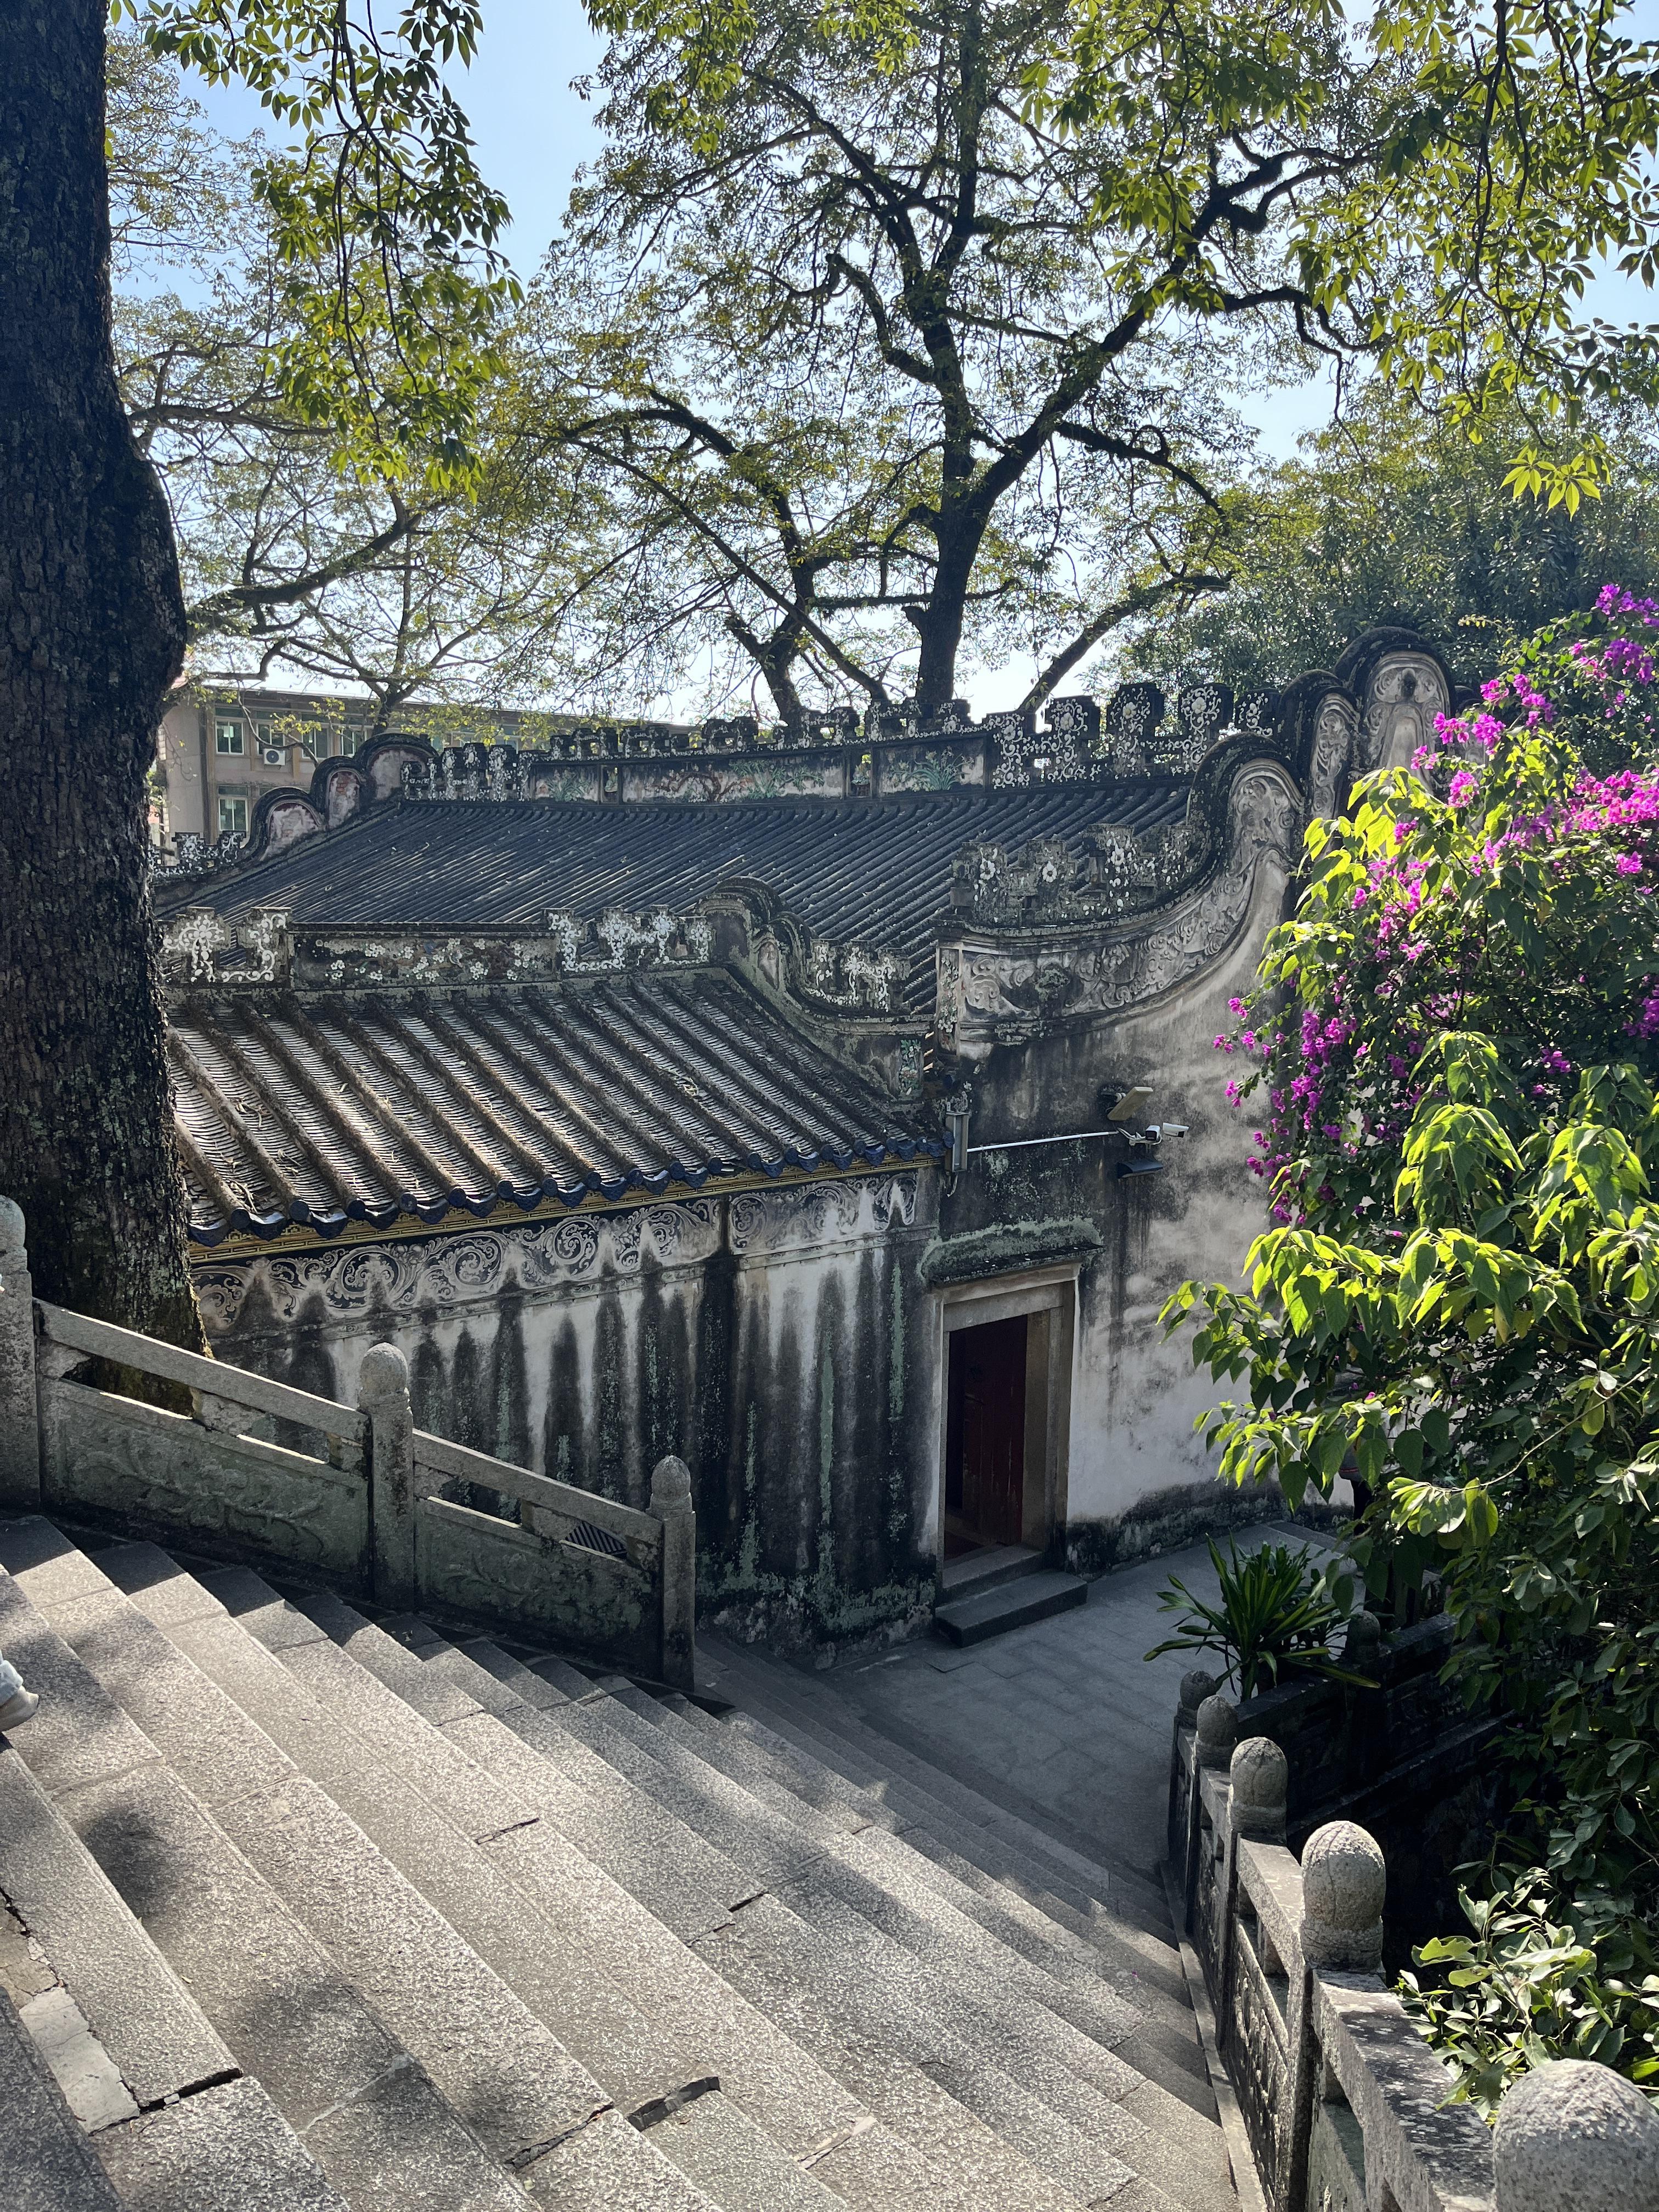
{"points": [[506, 1215]]}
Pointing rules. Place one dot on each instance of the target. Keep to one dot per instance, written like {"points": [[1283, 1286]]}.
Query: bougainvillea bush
{"points": [[1451, 1065]]}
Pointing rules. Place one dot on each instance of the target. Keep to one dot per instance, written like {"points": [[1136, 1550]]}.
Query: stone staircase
{"points": [[303, 1912]]}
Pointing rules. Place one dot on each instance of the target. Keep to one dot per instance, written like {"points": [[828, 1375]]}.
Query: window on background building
{"points": [[233, 818], [317, 745], [351, 738], [271, 751], [228, 738]]}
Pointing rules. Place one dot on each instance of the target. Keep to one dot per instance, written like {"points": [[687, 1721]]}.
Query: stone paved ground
{"points": [[1066, 1713]]}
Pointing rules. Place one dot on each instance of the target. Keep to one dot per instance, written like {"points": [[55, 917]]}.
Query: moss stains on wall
{"points": [[562, 1421], [785, 1373]]}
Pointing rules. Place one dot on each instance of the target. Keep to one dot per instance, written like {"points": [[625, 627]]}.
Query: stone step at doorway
{"points": [[1012, 1598], [404, 1924], [987, 1566]]}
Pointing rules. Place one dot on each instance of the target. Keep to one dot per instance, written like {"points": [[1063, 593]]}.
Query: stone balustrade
{"points": [[355, 1498], [1344, 2104]]}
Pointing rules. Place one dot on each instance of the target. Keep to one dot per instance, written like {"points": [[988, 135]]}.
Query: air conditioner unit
{"points": [[271, 755]]}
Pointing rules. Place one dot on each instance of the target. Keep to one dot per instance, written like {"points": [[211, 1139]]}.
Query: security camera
{"points": [[1159, 1130]]}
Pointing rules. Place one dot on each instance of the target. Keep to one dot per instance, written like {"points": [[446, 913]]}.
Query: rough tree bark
{"points": [[92, 629]]}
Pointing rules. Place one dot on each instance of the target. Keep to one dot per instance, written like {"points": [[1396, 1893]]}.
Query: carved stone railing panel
{"points": [[366, 1510], [144, 1471]]}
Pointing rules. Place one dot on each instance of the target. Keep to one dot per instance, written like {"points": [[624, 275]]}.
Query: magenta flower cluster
{"points": [[1331, 1093]]}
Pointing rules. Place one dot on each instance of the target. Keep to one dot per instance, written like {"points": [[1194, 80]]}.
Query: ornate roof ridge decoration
{"points": [[897, 752], [1322, 735], [1042, 938], [743, 924], [1328, 725], [1121, 874], [839, 977]]}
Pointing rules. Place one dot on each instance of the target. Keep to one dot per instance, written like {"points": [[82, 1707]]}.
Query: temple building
{"points": [[836, 1113]]}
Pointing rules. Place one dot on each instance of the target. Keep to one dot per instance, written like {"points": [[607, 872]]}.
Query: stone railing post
{"points": [[1345, 1883], [383, 1397], [1344, 1886], [1260, 1775], [1215, 1733], [1574, 2137], [20, 1410], [1195, 1686], [671, 1501]]}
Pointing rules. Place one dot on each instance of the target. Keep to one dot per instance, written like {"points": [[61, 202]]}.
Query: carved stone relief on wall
{"points": [[1407, 691], [454, 1272], [1333, 749], [765, 1222], [1009, 992]]}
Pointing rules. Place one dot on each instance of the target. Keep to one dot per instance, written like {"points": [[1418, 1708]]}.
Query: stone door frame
{"points": [[1048, 1296]]}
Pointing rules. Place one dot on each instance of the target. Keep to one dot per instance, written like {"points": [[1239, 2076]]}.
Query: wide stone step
{"points": [[373, 2121], [1047, 1969], [1112, 1903], [943, 1973], [227, 2149], [864, 2163], [1124, 1896], [1162, 2044], [45, 2155], [409, 2069], [986, 1613], [104, 1980], [801, 1979], [936, 1834]]}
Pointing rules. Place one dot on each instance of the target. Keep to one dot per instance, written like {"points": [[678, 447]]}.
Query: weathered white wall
{"points": [[772, 1340]]}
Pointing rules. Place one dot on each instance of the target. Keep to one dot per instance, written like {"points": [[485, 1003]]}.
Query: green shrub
{"points": [[1275, 1611]]}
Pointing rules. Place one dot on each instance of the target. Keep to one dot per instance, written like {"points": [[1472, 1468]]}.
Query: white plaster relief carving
{"points": [[437, 961], [619, 940], [201, 946], [810, 1215], [356, 1280], [1333, 735], [1007, 993], [1407, 691]]}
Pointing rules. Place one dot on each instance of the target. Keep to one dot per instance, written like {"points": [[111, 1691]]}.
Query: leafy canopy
{"points": [[383, 233], [1431, 188], [1453, 1054], [1393, 516]]}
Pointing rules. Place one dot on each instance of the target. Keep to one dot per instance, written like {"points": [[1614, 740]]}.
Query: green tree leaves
{"points": [[383, 232], [1455, 1063]]}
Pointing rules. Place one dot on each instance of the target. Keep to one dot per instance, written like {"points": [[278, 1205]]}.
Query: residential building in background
{"points": [[224, 744]]}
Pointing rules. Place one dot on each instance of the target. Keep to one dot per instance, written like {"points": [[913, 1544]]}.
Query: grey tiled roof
{"points": [[332, 1109], [878, 871]]}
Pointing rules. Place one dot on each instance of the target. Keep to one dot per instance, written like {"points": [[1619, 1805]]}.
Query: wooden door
{"points": [[985, 1441]]}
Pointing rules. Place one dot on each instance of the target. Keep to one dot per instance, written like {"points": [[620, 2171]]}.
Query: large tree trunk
{"points": [[92, 629]]}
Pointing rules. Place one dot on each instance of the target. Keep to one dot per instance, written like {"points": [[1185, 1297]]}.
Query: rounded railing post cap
{"points": [[384, 1373], [1260, 1773], [671, 1484], [1363, 1644], [1576, 2137], [1218, 1729], [1197, 1684], [1345, 1883], [13, 1230]]}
